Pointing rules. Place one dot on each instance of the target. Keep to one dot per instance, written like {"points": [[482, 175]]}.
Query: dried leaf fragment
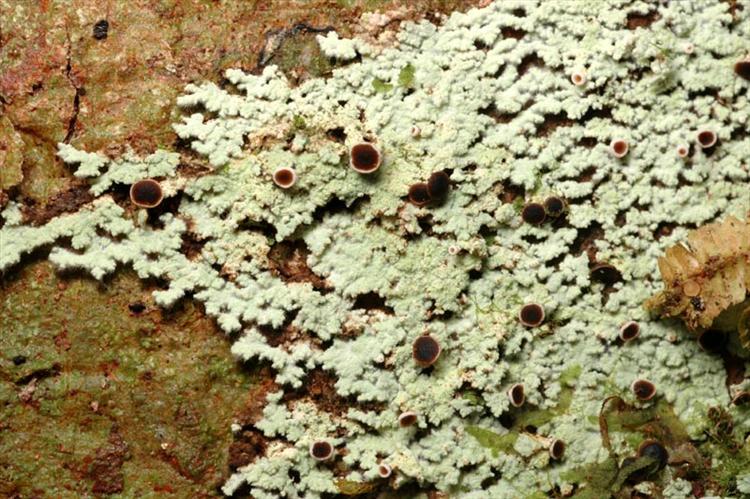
{"points": [[707, 275]]}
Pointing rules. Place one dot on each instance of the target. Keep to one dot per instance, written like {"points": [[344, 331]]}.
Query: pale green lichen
{"points": [[344, 49], [743, 483], [495, 111]]}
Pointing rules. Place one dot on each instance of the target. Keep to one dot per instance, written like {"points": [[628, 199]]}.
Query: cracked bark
{"points": [[78, 92]]}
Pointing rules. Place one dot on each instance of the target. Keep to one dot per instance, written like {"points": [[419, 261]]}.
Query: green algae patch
{"points": [[539, 417], [299, 123], [494, 441], [406, 76], [606, 478], [658, 421], [11, 155], [381, 86], [473, 397], [730, 465]]}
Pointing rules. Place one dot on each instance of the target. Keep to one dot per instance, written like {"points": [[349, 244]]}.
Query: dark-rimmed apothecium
{"points": [[706, 138], [516, 395], [438, 185], [321, 450], [578, 78], [742, 68], [556, 449], [407, 418], [425, 350], [629, 331], [384, 470], [146, 193], [284, 177], [619, 148], [365, 158], [554, 206], [419, 194], [531, 315], [655, 450], [643, 389], [533, 213]]}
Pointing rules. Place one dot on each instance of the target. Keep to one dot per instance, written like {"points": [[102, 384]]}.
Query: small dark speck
{"points": [[100, 29], [697, 303], [137, 307], [294, 475], [19, 359]]}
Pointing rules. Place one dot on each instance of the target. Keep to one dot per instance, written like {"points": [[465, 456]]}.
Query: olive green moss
{"points": [[163, 380]]}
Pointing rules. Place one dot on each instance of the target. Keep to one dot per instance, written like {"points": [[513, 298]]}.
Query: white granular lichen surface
{"points": [[488, 97]]}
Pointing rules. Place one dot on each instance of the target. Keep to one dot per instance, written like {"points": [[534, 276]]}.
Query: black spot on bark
{"points": [[101, 29]]}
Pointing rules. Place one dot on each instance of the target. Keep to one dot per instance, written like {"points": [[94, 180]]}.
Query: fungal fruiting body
{"points": [[365, 158], [419, 194], [406, 419], [706, 276], [425, 350], [146, 193], [657, 457], [654, 450], [516, 395], [384, 470], [533, 214], [321, 450], [438, 185], [284, 177], [742, 68], [554, 206], [629, 331], [643, 389], [706, 138], [531, 315], [578, 78], [556, 449], [619, 148], [435, 189], [682, 150]]}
